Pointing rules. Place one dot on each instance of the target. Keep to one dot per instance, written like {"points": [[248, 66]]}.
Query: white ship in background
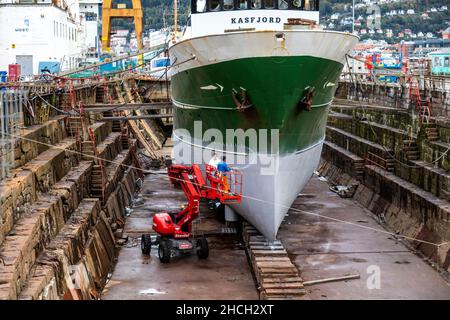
{"points": [[57, 34]]}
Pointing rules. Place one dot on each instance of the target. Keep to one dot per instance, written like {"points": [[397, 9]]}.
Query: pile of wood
{"points": [[277, 277]]}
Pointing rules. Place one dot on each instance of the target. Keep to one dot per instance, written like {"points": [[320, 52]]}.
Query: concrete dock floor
{"points": [[322, 248], [319, 247], [224, 275]]}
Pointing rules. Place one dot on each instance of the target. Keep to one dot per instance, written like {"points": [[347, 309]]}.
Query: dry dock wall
{"points": [[411, 195], [55, 238], [398, 95]]}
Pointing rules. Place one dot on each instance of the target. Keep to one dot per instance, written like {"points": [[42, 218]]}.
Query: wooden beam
{"points": [[135, 128], [148, 129], [347, 277], [142, 117]]}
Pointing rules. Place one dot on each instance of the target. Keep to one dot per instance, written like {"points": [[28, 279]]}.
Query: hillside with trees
{"points": [[425, 16]]}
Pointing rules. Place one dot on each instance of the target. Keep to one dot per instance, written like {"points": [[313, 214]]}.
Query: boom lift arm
{"points": [[175, 229]]}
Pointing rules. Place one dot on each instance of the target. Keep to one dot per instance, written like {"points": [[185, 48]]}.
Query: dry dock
{"points": [[318, 247], [323, 248], [74, 203], [224, 275]]}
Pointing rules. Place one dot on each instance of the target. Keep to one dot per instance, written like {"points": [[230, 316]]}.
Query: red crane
{"points": [[175, 229]]}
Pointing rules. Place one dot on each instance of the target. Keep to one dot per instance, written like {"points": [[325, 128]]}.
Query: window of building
{"points": [[241, 4], [437, 61], [200, 6], [297, 4], [308, 5], [214, 5], [228, 4], [92, 16], [255, 4], [269, 4], [283, 4]]}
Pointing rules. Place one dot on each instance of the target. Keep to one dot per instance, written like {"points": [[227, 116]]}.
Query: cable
{"points": [[50, 105], [246, 197]]}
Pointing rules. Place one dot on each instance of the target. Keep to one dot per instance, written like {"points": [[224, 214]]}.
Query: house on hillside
{"points": [[446, 33]]}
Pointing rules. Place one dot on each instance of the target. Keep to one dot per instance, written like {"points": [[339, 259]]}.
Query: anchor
{"points": [[241, 102], [306, 101]]}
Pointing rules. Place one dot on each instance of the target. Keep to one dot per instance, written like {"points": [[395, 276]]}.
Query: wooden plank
{"points": [[277, 247], [276, 275], [282, 278], [276, 242], [280, 259], [283, 298], [260, 243], [135, 128], [269, 252], [267, 270], [285, 291], [154, 136], [280, 285], [256, 238], [274, 264]]}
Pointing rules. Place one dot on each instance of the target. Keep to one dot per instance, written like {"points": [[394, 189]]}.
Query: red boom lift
{"points": [[174, 229]]}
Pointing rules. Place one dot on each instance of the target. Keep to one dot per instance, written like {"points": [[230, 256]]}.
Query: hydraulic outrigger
{"points": [[175, 229]]}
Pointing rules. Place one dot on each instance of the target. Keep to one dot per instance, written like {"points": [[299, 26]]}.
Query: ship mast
{"points": [[175, 17]]}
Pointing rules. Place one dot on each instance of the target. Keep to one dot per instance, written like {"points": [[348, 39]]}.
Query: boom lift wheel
{"points": [[203, 249], [146, 243], [164, 251]]}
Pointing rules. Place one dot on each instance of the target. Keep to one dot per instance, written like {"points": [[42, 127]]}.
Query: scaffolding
{"points": [[10, 125]]}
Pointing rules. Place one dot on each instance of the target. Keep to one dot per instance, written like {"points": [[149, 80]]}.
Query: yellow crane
{"points": [[109, 13]]}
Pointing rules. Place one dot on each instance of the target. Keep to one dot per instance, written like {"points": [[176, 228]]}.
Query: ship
{"points": [[265, 68], [48, 35]]}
